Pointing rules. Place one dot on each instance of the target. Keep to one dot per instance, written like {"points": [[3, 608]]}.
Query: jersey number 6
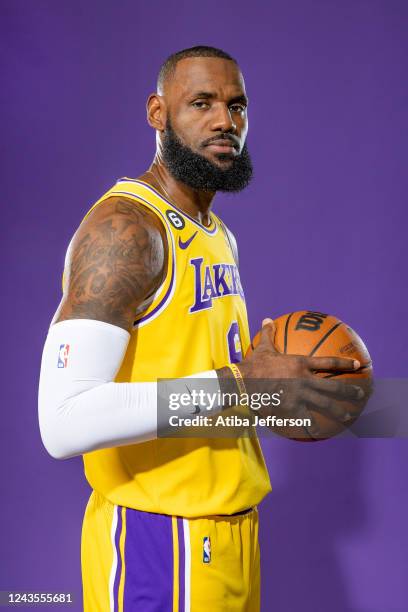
{"points": [[234, 343]]}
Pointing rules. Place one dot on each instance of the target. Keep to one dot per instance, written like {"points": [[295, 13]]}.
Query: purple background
{"points": [[323, 226]]}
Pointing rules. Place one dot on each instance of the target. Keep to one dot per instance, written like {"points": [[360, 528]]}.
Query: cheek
{"points": [[189, 129], [188, 137], [243, 127], [246, 125]]}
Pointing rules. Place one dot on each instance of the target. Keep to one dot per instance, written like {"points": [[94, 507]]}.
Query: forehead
{"points": [[210, 74]]}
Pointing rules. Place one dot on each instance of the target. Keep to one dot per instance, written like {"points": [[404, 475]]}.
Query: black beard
{"points": [[198, 172]]}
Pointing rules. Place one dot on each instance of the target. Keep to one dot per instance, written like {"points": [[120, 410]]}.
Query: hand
{"points": [[303, 394]]}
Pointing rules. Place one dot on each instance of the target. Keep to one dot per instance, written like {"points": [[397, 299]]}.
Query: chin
{"points": [[223, 159]]}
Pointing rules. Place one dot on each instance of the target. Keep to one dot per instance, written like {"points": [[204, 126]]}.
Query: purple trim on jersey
{"points": [[156, 308], [148, 562], [182, 564], [209, 231], [119, 561], [170, 287]]}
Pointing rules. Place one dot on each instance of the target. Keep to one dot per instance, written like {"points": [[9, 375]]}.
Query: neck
{"points": [[195, 203]]}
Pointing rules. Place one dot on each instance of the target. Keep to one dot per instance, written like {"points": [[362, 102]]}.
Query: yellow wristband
{"points": [[238, 377]]}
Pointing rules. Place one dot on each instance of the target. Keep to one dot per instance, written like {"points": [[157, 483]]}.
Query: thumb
{"points": [[268, 334]]}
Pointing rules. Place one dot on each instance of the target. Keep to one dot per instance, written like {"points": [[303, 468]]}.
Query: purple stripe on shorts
{"points": [[148, 562], [119, 560], [182, 564]]}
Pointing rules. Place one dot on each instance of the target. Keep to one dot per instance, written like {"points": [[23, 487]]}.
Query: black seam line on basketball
{"points": [[252, 346], [319, 344], [363, 367], [285, 341]]}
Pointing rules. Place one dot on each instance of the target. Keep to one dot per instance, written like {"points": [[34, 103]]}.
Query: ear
{"points": [[156, 112]]}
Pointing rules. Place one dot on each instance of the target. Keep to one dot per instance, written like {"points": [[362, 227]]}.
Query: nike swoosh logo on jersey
{"points": [[184, 245]]}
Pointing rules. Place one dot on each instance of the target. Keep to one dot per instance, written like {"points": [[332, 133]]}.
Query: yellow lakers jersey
{"points": [[196, 321]]}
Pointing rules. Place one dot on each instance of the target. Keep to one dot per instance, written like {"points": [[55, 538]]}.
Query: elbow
{"points": [[54, 447], [55, 451], [55, 454], [55, 441]]}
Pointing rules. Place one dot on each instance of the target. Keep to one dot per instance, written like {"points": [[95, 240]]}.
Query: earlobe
{"points": [[156, 112]]}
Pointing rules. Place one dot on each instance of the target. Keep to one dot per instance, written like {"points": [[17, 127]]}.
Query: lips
{"points": [[223, 142], [223, 145]]}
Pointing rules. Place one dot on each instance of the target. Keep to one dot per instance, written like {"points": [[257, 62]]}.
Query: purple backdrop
{"points": [[322, 226]]}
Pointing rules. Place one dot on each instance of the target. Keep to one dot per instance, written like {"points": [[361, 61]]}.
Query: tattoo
{"points": [[117, 261]]}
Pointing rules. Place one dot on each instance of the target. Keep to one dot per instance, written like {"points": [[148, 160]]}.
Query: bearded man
{"points": [[152, 291]]}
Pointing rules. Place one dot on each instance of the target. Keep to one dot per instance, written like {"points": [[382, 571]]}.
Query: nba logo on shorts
{"points": [[63, 356], [206, 550]]}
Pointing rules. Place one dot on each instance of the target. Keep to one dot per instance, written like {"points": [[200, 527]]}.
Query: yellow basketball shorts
{"points": [[141, 561]]}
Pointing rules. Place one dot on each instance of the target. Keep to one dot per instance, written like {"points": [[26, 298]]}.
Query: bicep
{"points": [[115, 260]]}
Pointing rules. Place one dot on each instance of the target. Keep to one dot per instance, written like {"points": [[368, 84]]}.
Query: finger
{"points": [[327, 364], [339, 410], [268, 334], [329, 407], [345, 401], [339, 390]]}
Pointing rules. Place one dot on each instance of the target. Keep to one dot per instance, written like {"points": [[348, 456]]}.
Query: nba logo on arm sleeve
{"points": [[63, 355]]}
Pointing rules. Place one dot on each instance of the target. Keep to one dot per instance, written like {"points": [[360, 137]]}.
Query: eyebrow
{"points": [[206, 95]]}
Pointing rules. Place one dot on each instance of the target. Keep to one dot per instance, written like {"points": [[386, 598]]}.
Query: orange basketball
{"points": [[321, 335]]}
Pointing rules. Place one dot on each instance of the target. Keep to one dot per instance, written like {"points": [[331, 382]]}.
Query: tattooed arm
{"points": [[116, 259]]}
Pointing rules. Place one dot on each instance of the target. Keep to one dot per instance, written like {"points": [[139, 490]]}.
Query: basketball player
{"points": [[152, 290]]}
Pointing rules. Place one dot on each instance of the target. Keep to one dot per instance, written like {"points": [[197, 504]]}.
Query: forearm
{"points": [[110, 414], [80, 408]]}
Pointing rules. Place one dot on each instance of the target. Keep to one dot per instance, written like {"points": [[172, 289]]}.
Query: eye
{"points": [[237, 108], [201, 105]]}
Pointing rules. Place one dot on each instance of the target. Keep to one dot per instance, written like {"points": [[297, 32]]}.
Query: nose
{"points": [[223, 121]]}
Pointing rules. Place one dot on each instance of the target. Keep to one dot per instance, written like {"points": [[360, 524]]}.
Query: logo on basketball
{"points": [[311, 321]]}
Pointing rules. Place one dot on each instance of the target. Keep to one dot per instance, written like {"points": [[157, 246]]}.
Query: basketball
{"points": [[322, 335]]}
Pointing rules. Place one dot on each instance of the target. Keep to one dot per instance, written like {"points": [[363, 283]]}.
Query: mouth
{"points": [[223, 145]]}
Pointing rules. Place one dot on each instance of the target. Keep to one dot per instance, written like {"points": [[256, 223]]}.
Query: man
{"points": [[152, 290]]}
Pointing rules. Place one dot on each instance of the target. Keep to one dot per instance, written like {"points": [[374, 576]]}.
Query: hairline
{"points": [[169, 67]]}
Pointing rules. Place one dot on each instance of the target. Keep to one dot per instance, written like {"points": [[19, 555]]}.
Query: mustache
{"points": [[230, 138]]}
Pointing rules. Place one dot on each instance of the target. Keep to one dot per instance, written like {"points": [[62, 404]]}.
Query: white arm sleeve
{"points": [[80, 409]]}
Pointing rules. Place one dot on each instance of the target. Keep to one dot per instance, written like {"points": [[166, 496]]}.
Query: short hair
{"points": [[169, 66]]}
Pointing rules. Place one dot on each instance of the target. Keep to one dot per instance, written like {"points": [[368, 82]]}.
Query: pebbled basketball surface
{"points": [[318, 334]]}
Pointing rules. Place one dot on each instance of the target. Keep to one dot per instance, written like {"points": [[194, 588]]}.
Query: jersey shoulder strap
{"points": [[230, 238]]}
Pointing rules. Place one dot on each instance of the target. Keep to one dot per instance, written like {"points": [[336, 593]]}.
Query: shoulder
{"points": [[116, 259], [121, 231], [119, 211]]}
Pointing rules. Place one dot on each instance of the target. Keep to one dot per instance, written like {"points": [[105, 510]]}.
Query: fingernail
{"points": [[346, 417], [266, 321], [356, 364]]}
